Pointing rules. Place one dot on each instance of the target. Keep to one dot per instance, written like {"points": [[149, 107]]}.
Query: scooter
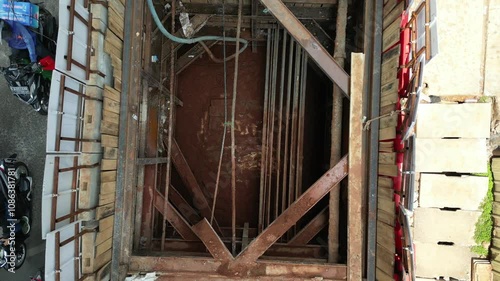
{"points": [[30, 84], [15, 213]]}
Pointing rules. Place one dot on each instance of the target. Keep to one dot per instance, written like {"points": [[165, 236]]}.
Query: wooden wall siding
{"points": [[387, 169], [97, 246]]}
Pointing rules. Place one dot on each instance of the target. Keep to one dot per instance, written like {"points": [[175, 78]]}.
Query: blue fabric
{"points": [[22, 38]]}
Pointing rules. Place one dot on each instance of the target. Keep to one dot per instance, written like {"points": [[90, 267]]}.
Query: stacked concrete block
{"points": [[450, 149]]}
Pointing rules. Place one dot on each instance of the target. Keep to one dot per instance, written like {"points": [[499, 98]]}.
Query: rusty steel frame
{"points": [[312, 46], [309, 231], [71, 32], [76, 259]]}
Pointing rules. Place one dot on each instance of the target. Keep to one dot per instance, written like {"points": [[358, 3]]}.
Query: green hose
{"points": [[190, 40]]}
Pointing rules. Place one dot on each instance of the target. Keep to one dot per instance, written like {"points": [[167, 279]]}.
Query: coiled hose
{"points": [[190, 40]]}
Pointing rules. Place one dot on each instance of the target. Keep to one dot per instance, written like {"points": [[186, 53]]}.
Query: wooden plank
{"points": [[109, 128], [386, 217], [389, 7], [391, 35], [386, 192], [101, 260], [112, 94], [109, 141], [355, 195], [388, 121], [108, 187], [390, 88], [105, 210], [389, 99], [111, 117], [103, 247], [394, 15], [440, 191], [110, 153], [390, 55], [111, 105], [390, 70], [451, 155], [449, 120], [386, 204], [386, 146], [390, 170], [385, 182], [109, 176], [387, 109], [384, 265], [106, 223], [387, 158], [104, 235], [388, 133], [385, 254], [106, 198], [382, 276], [117, 6], [108, 164], [385, 236], [115, 23]]}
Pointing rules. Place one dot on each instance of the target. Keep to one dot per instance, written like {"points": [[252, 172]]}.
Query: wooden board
{"points": [[112, 94], [386, 217], [105, 210], [387, 133], [103, 247], [391, 35], [394, 15], [390, 170], [387, 193], [103, 235], [390, 69], [386, 146], [449, 120], [451, 155], [110, 153], [386, 205], [109, 128], [108, 164], [109, 176], [388, 121], [389, 7], [106, 223], [109, 141], [108, 187], [106, 198], [440, 191], [111, 117], [111, 105], [385, 182], [387, 109], [387, 158]]}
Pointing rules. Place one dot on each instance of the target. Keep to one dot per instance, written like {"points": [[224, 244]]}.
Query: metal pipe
{"points": [[373, 136], [302, 107], [271, 119], [264, 128], [287, 122], [233, 113], [170, 131], [280, 121]]}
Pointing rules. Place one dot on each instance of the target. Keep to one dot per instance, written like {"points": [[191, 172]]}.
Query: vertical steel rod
{"points": [[271, 120], [302, 107], [264, 128], [287, 122], [295, 107], [233, 146], [267, 187], [170, 130], [280, 121]]}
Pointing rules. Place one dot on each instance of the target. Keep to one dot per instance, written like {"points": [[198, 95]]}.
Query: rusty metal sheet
{"points": [[291, 215], [313, 47], [212, 241]]}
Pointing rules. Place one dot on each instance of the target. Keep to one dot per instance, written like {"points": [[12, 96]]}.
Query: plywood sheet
{"points": [[440, 191], [468, 120], [451, 155], [433, 225], [441, 260]]}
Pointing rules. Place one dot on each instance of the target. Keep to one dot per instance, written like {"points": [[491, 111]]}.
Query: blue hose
{"points": [[190, 40]]}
